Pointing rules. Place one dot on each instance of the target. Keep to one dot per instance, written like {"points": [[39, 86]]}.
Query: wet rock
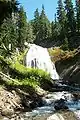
{"points": [[56, 116], [60, 104], [77, 114], [76, 96], [63, 115]]}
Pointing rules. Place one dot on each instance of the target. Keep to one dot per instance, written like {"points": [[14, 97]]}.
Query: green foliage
{"points": [[20, 57], [61, 16], [61, 13], [30, 35], [78, 15], [35, 22], [55, 30], [71, 24], [22, 83], [65, 45], [22, 73], [44, 31], [6, 8], [41, 26], [8, 36], [22, 28]]}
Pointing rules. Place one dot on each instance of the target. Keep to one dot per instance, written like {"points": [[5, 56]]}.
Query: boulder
{"points": [[60, 104], [63, 115], [56, 116]]}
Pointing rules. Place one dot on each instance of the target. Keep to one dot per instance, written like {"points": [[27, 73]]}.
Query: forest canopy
{"points": [[15, 29]]}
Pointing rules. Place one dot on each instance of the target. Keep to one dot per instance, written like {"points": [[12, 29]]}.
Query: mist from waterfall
{"points": [[38, 57]]}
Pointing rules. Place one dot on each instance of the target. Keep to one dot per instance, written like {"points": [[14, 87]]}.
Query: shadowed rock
{"points": [[60, 104]]}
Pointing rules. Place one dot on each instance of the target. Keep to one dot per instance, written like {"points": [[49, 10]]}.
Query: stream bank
{"points": [[13, 102], [38, 108]]}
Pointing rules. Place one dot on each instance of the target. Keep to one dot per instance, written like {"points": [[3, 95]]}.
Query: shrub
{"points": [[26, 75], [20, 71]]}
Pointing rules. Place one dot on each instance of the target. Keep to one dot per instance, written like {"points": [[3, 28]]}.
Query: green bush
{"points": [[21, 83], [20, 71], [24, 75]]}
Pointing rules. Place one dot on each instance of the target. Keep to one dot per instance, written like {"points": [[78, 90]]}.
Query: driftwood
{"points": [[2, 75], [6, 77]]}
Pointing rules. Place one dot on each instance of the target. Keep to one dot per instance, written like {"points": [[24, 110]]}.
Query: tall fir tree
{"points": [[54, 30], [61, 16], [71, 23], [78, 15], [30, 33], [44, 26], [8, 35], [6, 8], [36, 22], [22, 28]]}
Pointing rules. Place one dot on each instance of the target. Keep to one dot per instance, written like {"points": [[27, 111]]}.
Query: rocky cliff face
{"points": [[69, 69]]}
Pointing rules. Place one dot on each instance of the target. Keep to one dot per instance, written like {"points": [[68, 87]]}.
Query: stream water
{"points": [[41, 113], [38, 57]]}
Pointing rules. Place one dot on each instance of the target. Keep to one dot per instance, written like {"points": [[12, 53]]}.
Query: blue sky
{"points": [[31, 5]]}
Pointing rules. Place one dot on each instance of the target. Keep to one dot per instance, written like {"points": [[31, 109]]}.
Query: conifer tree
{"points": [[6, 8], [22, 28], [78, 15], [30, 34], [55, 30], [44, 26], [8, 35], [71, 24], [61, 16], [36, 22]]}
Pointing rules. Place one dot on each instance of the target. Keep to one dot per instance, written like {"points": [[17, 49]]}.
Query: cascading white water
{"points": [[38, 57]]}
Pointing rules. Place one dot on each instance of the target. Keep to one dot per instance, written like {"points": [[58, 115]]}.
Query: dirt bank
{"points": [[14, 101]]}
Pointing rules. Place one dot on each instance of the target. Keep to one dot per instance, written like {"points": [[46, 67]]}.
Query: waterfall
{"points": [[38, 57]]}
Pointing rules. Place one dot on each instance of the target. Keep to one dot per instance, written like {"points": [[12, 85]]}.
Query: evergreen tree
{"points": [[61, 16], [52, 29], [35, 22], [30, 34], [6, 8], [22, 28], [78, 15], [55, 30], [71, 24], [44, 26], [8, 35]]}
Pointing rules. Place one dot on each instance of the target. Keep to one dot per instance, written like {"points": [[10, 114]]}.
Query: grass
{"points": [[22, 75]]}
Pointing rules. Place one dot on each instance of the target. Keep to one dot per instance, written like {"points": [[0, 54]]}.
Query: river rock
{"points": [[63, 115], [56, 116], [60, 104]]}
